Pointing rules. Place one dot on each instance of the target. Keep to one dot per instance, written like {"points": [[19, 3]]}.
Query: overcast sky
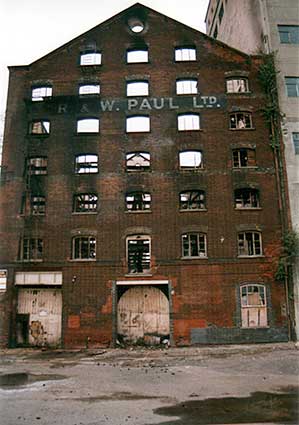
{"points": [[32, 28]]}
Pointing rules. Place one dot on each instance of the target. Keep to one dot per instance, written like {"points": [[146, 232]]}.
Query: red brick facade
{"points": [[203, 291]]}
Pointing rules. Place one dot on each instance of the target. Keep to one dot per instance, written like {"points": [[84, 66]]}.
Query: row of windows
{"points": [[141, 88], [141, 161], [189, 200], [141, 123], [193, 245]]}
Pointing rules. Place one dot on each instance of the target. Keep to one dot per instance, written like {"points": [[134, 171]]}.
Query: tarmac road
{"points": [[248, 384]]}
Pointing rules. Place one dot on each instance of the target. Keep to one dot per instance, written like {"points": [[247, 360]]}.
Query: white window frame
{"points": [[186, 86], [137, 56], [250, 244], [292, 86], [240, 121], [88, 125], [185, 54], [253, 299], [138, 124], [90, 58], [137, 88], [31, 249], [92, 247], [202, 253], [188, 122]]}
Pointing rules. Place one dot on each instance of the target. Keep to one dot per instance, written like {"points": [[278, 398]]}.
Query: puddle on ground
{"points": [[120, 396], [258, 407], [19, 380]]}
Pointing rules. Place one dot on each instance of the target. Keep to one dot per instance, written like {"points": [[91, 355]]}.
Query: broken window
{"points": [[289, 34], [253, 306], [86, 164], [215, 34], [90, 58], [240, 121], [138, 254], [39, 93], [186, 86], [138, 161], [88, 125], [138, 88], [188, 122], [31, 249], [85, 203], [37, 205], [183, 54], [87, 89], [137, 55], [39, 127], [37, 165], [292, 86], [247, 198], [190, 160], [237, 85], [221, 13], [249, 244], [296, 142], [244, 157], [192, 200], [138, 201], [140, 123], [194, 245], [83, 248]]}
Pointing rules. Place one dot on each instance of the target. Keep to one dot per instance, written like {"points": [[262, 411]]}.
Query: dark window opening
{"points": [[39, 127], [240, 121], [247, 198], [244, 158], [138, 201], [83, 248], [139, 256], [85, 203], [249, 244], [31, 249], [37, 205], [192, 200], [194, 245], [37, 165], [86, 164]]}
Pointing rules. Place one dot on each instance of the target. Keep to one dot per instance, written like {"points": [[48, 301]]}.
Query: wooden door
{"points": [[143, 315]]}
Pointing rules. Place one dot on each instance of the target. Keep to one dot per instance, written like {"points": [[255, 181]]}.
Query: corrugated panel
{"points": [[44, 307], [38, 278], [143, 312]]}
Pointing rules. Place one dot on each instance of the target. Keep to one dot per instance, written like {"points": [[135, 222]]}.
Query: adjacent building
{"points": [[139, 196], [266, 26]]}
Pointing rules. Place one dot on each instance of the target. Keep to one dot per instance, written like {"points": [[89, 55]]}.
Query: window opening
{"points": [[31, 249], [86, 164], [289, 34], [39, 93], [187, 86], [90, 58], [237, 85], [194, 245], [221, 13], [253, 306], [246, 198], [137, 88], [87, 89], [244, 158], [296, 142], [138, 161], [37, 165], [240, 121], [138, 124], [190, 160], [192, 200], [188, 122], [139, 256], [38, 205], [249, 244], [88, 125], [292, 86], [40, 127], [137, 56], [183, 54], [138, 201], [215, 35], [85, 203], [83, 248]]}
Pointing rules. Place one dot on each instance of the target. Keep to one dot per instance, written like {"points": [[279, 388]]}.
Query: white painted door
{"points": [[44, 307], [143, 315]]}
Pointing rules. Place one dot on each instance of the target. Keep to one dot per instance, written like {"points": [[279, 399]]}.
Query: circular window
{"points": [[136, 25], [137, 28]]}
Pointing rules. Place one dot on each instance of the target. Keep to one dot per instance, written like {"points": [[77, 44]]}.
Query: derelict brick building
{"points": [[139, 193]]}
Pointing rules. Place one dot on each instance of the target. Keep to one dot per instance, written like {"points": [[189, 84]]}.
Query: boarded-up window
{"points": [[237, 85], [190, 160], [37, 165], [88, 89], [137, 55], [138, 161], [88, 125], [140, 123], [187, 122], [186, 86], [137, 88], [90, 58], [253, 306], [86, 164], [185, 54]]}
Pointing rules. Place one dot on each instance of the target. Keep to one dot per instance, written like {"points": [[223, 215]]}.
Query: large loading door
{"points": [[39, 317], [143, 315]]}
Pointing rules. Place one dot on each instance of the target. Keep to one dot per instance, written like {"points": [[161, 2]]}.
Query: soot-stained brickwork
{"points": [[165, 229]]}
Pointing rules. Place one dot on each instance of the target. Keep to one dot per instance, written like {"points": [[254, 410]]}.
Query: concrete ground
{"points": [[248, 384]]}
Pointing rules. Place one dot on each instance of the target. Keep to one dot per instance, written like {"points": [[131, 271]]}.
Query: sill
{"points": [[31, 261], [87, 133], [184, 61], [138, 212], [137, 63], [138, 132], [190, 130], [84, 213], [194, 210], [187, 94], [138, 274], [86, 174], [250, 256], [255, 327], [248, 209], [81, 260], [36, 135], [194, 258], [192, 169], [250, 167], [242, 129], [137, 171], [89, 95], [238, 93]]}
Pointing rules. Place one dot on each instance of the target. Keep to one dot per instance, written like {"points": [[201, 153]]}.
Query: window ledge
{"points": [[138, 212], [250, 167], [84, 213], [87, 133], [31, 261], [242, 129], [255, 327], [137, 171], [238, 93], [194, 210], [248, 209], [191, 170], [251, 256], [42, 136], [137, 132], [194, 258], [138, 274], [190, 131], [88, 260]]}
